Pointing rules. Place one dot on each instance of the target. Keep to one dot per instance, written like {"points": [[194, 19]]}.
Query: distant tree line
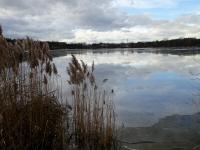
{"points": [[184, 42]]}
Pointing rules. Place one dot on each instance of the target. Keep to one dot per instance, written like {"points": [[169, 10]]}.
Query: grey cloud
{"points": [[61, 19], [143, 20], [60, 15], [190, 19]]}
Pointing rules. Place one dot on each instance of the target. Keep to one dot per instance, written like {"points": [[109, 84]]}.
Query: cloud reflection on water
{"points": [[147, 86]]}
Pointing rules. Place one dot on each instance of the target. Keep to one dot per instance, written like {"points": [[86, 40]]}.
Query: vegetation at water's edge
{"points": [[33, 114], [184, 42]]}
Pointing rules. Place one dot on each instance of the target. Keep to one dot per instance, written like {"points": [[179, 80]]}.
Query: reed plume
{"points": [[93, 110], [1, 31]]}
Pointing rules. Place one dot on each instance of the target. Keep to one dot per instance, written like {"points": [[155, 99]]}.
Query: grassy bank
{"points": [[32, 114]]}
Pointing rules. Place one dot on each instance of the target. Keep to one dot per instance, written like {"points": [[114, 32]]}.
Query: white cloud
{"points": [[145, 3], [132, 34], [146, 30]]}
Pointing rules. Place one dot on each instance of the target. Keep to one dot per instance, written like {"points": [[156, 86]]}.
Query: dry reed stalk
{"points": [[93, 109], [31, 115]]}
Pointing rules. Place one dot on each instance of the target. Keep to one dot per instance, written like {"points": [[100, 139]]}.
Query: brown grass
{"points": [[32, 116]]}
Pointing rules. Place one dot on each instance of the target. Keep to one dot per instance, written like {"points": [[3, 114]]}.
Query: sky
{"points": [[92, 21]]}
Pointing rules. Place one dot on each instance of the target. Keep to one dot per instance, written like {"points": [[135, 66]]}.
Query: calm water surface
{"points": [[148, 86]]}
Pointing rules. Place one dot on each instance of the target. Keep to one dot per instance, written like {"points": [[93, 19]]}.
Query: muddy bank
{"points": [[177, 132]]}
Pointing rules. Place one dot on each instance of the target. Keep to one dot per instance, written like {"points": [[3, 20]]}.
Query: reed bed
{"points": [[32, 115]]}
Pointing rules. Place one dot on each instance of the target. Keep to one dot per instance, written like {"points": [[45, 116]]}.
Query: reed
{"points": [[94, 118], [32, 115]]}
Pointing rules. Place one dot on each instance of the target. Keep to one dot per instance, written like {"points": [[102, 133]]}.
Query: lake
{"points": [[149, 84]]}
